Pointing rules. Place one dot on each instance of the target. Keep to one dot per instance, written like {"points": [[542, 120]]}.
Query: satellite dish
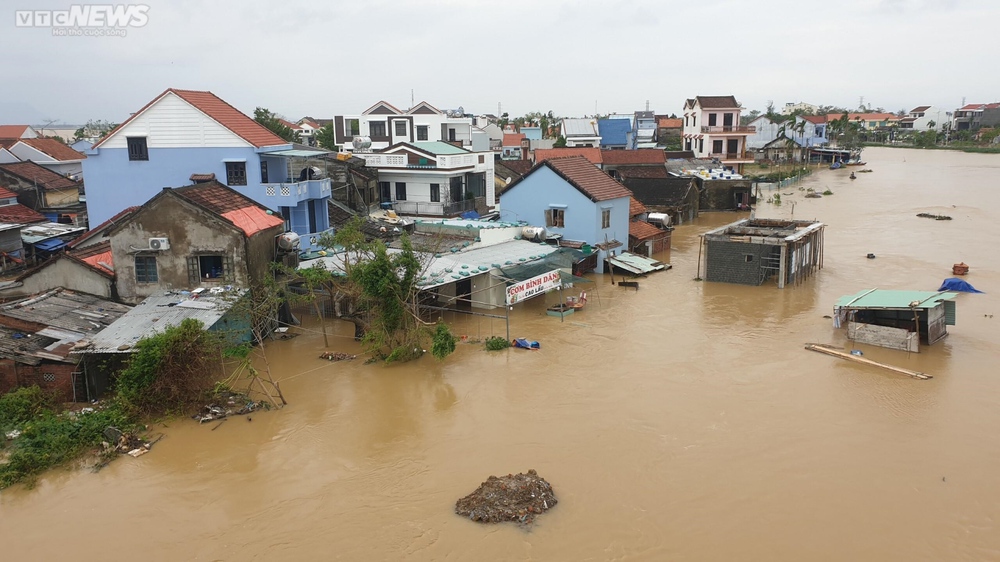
{"points": [[509, 179]]}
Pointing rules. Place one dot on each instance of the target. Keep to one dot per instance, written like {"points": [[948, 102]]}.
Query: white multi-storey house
{"points": [[925, 118], [385, 125], [433, 178], [712, 130]]}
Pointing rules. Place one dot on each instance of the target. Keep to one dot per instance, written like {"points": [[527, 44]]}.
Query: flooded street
{"points": [[682, 421]]}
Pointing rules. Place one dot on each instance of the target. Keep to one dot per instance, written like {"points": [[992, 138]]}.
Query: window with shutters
{"points": [[435, 193], [137, 148], [236, 173], [209, 268], [555, 218], [421, 132]]}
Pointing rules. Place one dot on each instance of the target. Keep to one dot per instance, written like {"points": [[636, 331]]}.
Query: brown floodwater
{"points": [[682, 421]]}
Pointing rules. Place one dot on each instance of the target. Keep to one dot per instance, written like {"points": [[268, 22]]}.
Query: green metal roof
{"points": [[436, 147], [875, 298]]}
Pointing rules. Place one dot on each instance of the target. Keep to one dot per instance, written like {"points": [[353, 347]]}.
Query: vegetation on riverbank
{"points": [[168, 374]]}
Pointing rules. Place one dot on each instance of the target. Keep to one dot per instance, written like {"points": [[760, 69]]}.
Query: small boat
{"points": [[835, 166], [855, 163], [853, 177]]}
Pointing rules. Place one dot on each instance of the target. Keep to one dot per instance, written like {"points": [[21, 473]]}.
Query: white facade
{"points": [[175, 124], [581, 133], [385, 126], [411, 170], [712, 129], [920, 118], [801, 106]]}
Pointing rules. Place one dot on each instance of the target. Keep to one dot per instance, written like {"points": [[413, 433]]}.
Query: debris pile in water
{"points": [[515, 497], [935, 217], [229, 403], [336, 356]]}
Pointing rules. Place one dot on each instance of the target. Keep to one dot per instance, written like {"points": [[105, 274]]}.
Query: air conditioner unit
{"points": [[159, 243]]}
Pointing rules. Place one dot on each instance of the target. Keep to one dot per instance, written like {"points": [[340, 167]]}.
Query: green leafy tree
{"points": [[95, 129], [560, 142], [326, 138], [273, 122]]}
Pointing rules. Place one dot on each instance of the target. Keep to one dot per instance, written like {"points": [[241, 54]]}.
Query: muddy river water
{"points": [[682, 421]]}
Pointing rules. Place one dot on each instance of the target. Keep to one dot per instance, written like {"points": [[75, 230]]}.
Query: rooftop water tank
{"points": [[661, 219], [362, 144], [533, 233], [288, 241]]}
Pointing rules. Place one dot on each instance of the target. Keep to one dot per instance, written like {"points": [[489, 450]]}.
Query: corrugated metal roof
{"points": [[158, 312], [876, 298], [636, 265], [37, 232], [450, 266], [579, 128]]}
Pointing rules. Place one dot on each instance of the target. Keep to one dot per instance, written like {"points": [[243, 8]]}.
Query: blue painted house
{"points": [[184, 137], [574, 200], [615, 133]]}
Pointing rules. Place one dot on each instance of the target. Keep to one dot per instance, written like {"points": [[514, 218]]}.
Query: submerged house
{"points": [[896, 319], [752, 251]]}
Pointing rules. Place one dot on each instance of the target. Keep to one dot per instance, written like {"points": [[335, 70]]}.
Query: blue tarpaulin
{"points": [[956, 284], [470, 215], [50, 244], [526, 343]]}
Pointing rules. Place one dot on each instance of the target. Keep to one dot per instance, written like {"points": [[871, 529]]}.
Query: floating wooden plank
{"points": [[829, 350], [629, 284]]}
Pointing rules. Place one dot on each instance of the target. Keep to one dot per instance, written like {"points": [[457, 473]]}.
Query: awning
{"points": [[50, 244], [636, 265]]}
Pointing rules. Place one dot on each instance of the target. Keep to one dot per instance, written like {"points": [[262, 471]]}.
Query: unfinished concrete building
{"points": [[753, 251]]}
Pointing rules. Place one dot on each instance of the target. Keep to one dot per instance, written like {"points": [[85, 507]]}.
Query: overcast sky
{"points": [[325, 58]]}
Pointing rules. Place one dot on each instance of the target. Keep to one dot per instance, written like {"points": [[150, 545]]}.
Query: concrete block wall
{"points": [[726, 262]]}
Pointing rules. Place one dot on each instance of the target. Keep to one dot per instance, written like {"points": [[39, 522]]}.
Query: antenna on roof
{"points": [[411, 98], [647, 105]]}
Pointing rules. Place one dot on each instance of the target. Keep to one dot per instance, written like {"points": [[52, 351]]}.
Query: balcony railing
{"points": [[728, 129], [425, 208], [731, 156], [288, 193]]}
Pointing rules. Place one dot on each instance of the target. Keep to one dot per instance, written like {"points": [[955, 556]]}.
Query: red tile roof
{"points": [[668, 123], [18, 213], [12, 131], [639, 156], [644, 231], [583, 175], [290, 125], [55, 149], [512, 139], [231, 205], [7, 143], [98, 257], [815, 119], [920, 109], [220, 111], [591, 154], [635, 207], [38, 175], [99, 229]]}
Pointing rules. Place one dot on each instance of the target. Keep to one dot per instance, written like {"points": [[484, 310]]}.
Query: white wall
{"points": [[172, 122]]}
